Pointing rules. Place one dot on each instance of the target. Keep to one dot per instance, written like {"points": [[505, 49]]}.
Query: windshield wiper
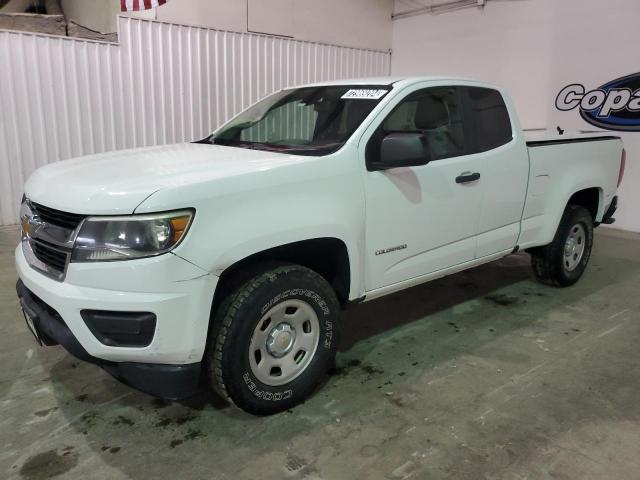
{"points": [[272, 147], [312, 148]]}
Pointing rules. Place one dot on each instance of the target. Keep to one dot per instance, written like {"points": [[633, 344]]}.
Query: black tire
{"points": [[549, 263], [229, 367]]}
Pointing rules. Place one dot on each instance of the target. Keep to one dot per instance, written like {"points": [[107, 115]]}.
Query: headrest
{"points": [[431, 113]]}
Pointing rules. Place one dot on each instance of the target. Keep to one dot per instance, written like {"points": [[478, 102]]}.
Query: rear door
{"points": [[503, 158]]}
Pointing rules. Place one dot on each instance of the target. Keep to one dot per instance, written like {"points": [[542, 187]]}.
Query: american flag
{"points": [[135, 5]]}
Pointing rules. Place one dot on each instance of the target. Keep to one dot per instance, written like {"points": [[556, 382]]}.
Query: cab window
{"points": [[436, 113], [489, 117]]}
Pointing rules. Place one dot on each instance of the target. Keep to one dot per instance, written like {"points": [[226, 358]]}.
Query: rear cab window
{"points": [[488, 119]]}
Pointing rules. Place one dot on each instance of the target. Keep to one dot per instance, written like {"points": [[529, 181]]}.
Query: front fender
{"points": [[239, 216]]}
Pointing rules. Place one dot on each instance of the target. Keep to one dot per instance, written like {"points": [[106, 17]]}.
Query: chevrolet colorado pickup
{"points": [[229, 259]]}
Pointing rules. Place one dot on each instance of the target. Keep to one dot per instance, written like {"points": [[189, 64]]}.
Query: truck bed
{"points": [[560, 165]]}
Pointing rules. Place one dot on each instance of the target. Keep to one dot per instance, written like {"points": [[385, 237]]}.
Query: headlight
{"points": [[132, 236]]}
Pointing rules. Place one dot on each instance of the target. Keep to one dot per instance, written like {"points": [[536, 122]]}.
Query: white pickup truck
{"points": [[229, 259]]}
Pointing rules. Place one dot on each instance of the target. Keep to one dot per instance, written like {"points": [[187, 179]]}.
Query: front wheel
{"points": [[563, 261], [274, 339]]}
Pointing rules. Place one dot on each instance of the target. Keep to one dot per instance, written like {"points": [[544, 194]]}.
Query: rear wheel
{"points": [[563, 261], [274, 339]]}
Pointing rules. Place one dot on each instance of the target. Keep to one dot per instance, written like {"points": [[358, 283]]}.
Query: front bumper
{"points": [[171, 382], [177, 292]]}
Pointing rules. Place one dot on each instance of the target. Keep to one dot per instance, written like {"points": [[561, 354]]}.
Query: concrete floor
{"points": [[482, 375]]}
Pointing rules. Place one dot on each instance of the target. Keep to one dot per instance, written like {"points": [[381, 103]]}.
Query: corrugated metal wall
{"points": [[163, 83]]}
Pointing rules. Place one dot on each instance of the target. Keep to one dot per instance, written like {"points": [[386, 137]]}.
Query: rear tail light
{"points": [[623, 162]]}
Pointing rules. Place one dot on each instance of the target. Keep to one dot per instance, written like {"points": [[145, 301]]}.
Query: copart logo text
{"points": [[613, 106]]}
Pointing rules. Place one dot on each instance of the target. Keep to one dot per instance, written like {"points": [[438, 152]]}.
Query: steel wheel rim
{"points": [[284, 342], [574, 247]]}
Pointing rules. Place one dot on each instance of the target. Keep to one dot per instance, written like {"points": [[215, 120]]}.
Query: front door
{"points": [[422, 219]]}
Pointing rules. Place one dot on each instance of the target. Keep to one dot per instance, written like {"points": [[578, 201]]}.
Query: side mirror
{"points": [[403, 150]]}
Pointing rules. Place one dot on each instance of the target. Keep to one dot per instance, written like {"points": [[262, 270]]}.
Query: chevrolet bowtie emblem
{"points": [[29, 224]]}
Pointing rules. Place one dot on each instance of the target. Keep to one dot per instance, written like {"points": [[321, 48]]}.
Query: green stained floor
{"points": [[482, 375]]}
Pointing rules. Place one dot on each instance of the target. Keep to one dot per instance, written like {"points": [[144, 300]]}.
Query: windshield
{"points": [[302, 121]]}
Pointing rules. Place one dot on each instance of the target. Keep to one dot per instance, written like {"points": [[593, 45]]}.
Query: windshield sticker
{"points": [[364, 94]]}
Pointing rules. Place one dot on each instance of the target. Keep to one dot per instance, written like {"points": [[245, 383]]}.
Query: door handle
{"points": [[467, 177]]}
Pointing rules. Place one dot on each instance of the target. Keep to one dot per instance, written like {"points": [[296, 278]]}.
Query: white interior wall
{"points": [[355, 23], [162, 83], [98, 15], [533, 48]]}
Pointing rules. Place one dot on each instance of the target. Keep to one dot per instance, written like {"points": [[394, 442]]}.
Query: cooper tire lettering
{"points": [[263, 394]]}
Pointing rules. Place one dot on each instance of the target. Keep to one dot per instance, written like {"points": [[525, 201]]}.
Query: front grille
{"points": [[47, 237], [50, 255], [56, 217]]}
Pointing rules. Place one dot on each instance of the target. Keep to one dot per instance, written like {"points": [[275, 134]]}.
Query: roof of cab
{"points": [[389, 81]]}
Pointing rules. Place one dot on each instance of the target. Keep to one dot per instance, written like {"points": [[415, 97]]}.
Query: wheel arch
{"points": [[327, 256], [591, 199], [586, 195]]}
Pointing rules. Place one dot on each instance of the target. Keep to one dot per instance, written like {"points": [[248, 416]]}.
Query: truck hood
{"points": [[117, 182]]}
